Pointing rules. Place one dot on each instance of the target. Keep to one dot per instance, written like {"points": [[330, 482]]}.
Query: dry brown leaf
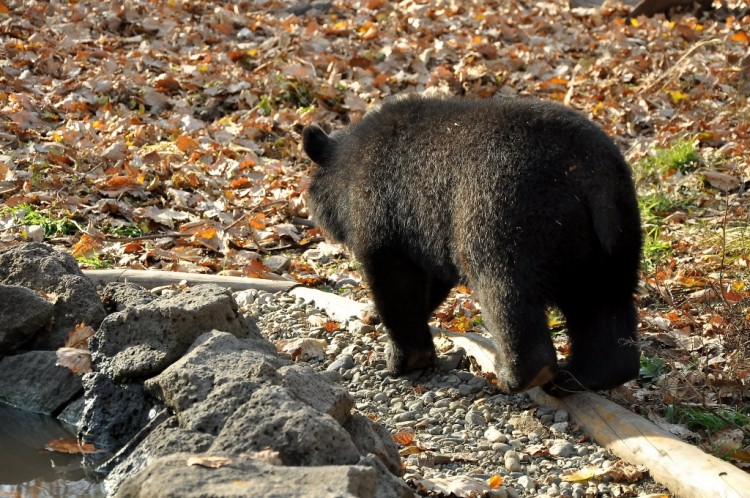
{"points": [[209, 461], [584, 474], [266, 455], [70, 446], [79, 336], [720, 181], [404, 438], [459, 486], [302, 349], [77, 360], [410, 450], [86, 245]]}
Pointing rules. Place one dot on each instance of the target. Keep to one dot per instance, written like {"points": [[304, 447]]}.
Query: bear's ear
{"points": [[317, 144]]}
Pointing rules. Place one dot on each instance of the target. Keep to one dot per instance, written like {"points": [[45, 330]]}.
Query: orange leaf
{"points": [[733, 297], [740, 36], [258, 222], [4, 8], [132, 247], [495, 481], [256, 269], [118, 182], [205, 232], [243, 182], [186, 144], [330, 326], [70, 446], [86, 245], [403, 438]]}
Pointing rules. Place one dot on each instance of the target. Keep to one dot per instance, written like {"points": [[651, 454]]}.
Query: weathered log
{"points": [[156, 278], [684, 469]]}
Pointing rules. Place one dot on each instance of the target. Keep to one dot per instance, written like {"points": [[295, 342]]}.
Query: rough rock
{"points": [[302, 435], [278, 264], [112, 412], [31, 381], [24, 313], [41, 268], [165, 439], [116, 296], [306, 385], [217, 375], [171, 476], [372, 438], [72, 413], [388, 486], [142, 341]]}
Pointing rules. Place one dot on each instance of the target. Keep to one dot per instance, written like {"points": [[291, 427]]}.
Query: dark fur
{"points": [[527, 201]]}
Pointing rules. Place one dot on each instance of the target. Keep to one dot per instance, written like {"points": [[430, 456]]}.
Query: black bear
{"points": [[526, 201]]}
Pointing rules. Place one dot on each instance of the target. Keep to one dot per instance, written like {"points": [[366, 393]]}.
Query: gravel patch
{"points": [[454, 424]]}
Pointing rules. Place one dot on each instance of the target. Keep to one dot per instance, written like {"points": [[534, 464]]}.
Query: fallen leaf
{"points": [[210, 462], [77, 360], [302, 349], [720, 181], [459, 486], [726, 441], [404, 438], [495, 481], [410, 450], [330, 326], [79, 336], [70, 446], [86, 245], [584, 474], [266, 455]]}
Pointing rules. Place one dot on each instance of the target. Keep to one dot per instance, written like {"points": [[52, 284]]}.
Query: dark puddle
{"points": [[27, 469]]}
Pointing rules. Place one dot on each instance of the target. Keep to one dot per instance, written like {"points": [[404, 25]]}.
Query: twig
{"points": [[673, 69]]}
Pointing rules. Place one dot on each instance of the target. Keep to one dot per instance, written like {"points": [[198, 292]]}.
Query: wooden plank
{"points": [[684, 469], [156, 278], [337, 307]]}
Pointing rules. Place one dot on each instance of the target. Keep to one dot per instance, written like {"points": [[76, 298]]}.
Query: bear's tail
{"points": [[317, 144]]}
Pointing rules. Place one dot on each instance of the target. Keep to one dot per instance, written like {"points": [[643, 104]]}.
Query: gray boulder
{"points": [[41, 268], [112, 412], [143, 340], [322, 394], [32, 382], [302, 435], [23, 313], [116, 296], [217, 375], [371, 438], [165, 439], [72, 413], [171, 476]]}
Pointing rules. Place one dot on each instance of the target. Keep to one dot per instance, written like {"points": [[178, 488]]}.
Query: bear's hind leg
{"points": [[515, 316], [603, 344], [403, 296]]}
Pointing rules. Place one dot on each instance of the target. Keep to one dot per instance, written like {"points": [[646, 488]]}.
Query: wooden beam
{"points": [[155, 278]]}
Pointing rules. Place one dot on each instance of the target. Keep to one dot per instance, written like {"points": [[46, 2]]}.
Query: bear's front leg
{"points": [[401, 291]]}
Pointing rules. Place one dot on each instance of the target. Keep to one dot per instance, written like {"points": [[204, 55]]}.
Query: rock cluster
{"points": [[178, 378]]}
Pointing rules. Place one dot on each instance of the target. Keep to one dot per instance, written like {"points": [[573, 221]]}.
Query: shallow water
{"points": [[27, 469]]}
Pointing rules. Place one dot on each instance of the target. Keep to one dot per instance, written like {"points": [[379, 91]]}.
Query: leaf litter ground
{"points": [[167, 136]]}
